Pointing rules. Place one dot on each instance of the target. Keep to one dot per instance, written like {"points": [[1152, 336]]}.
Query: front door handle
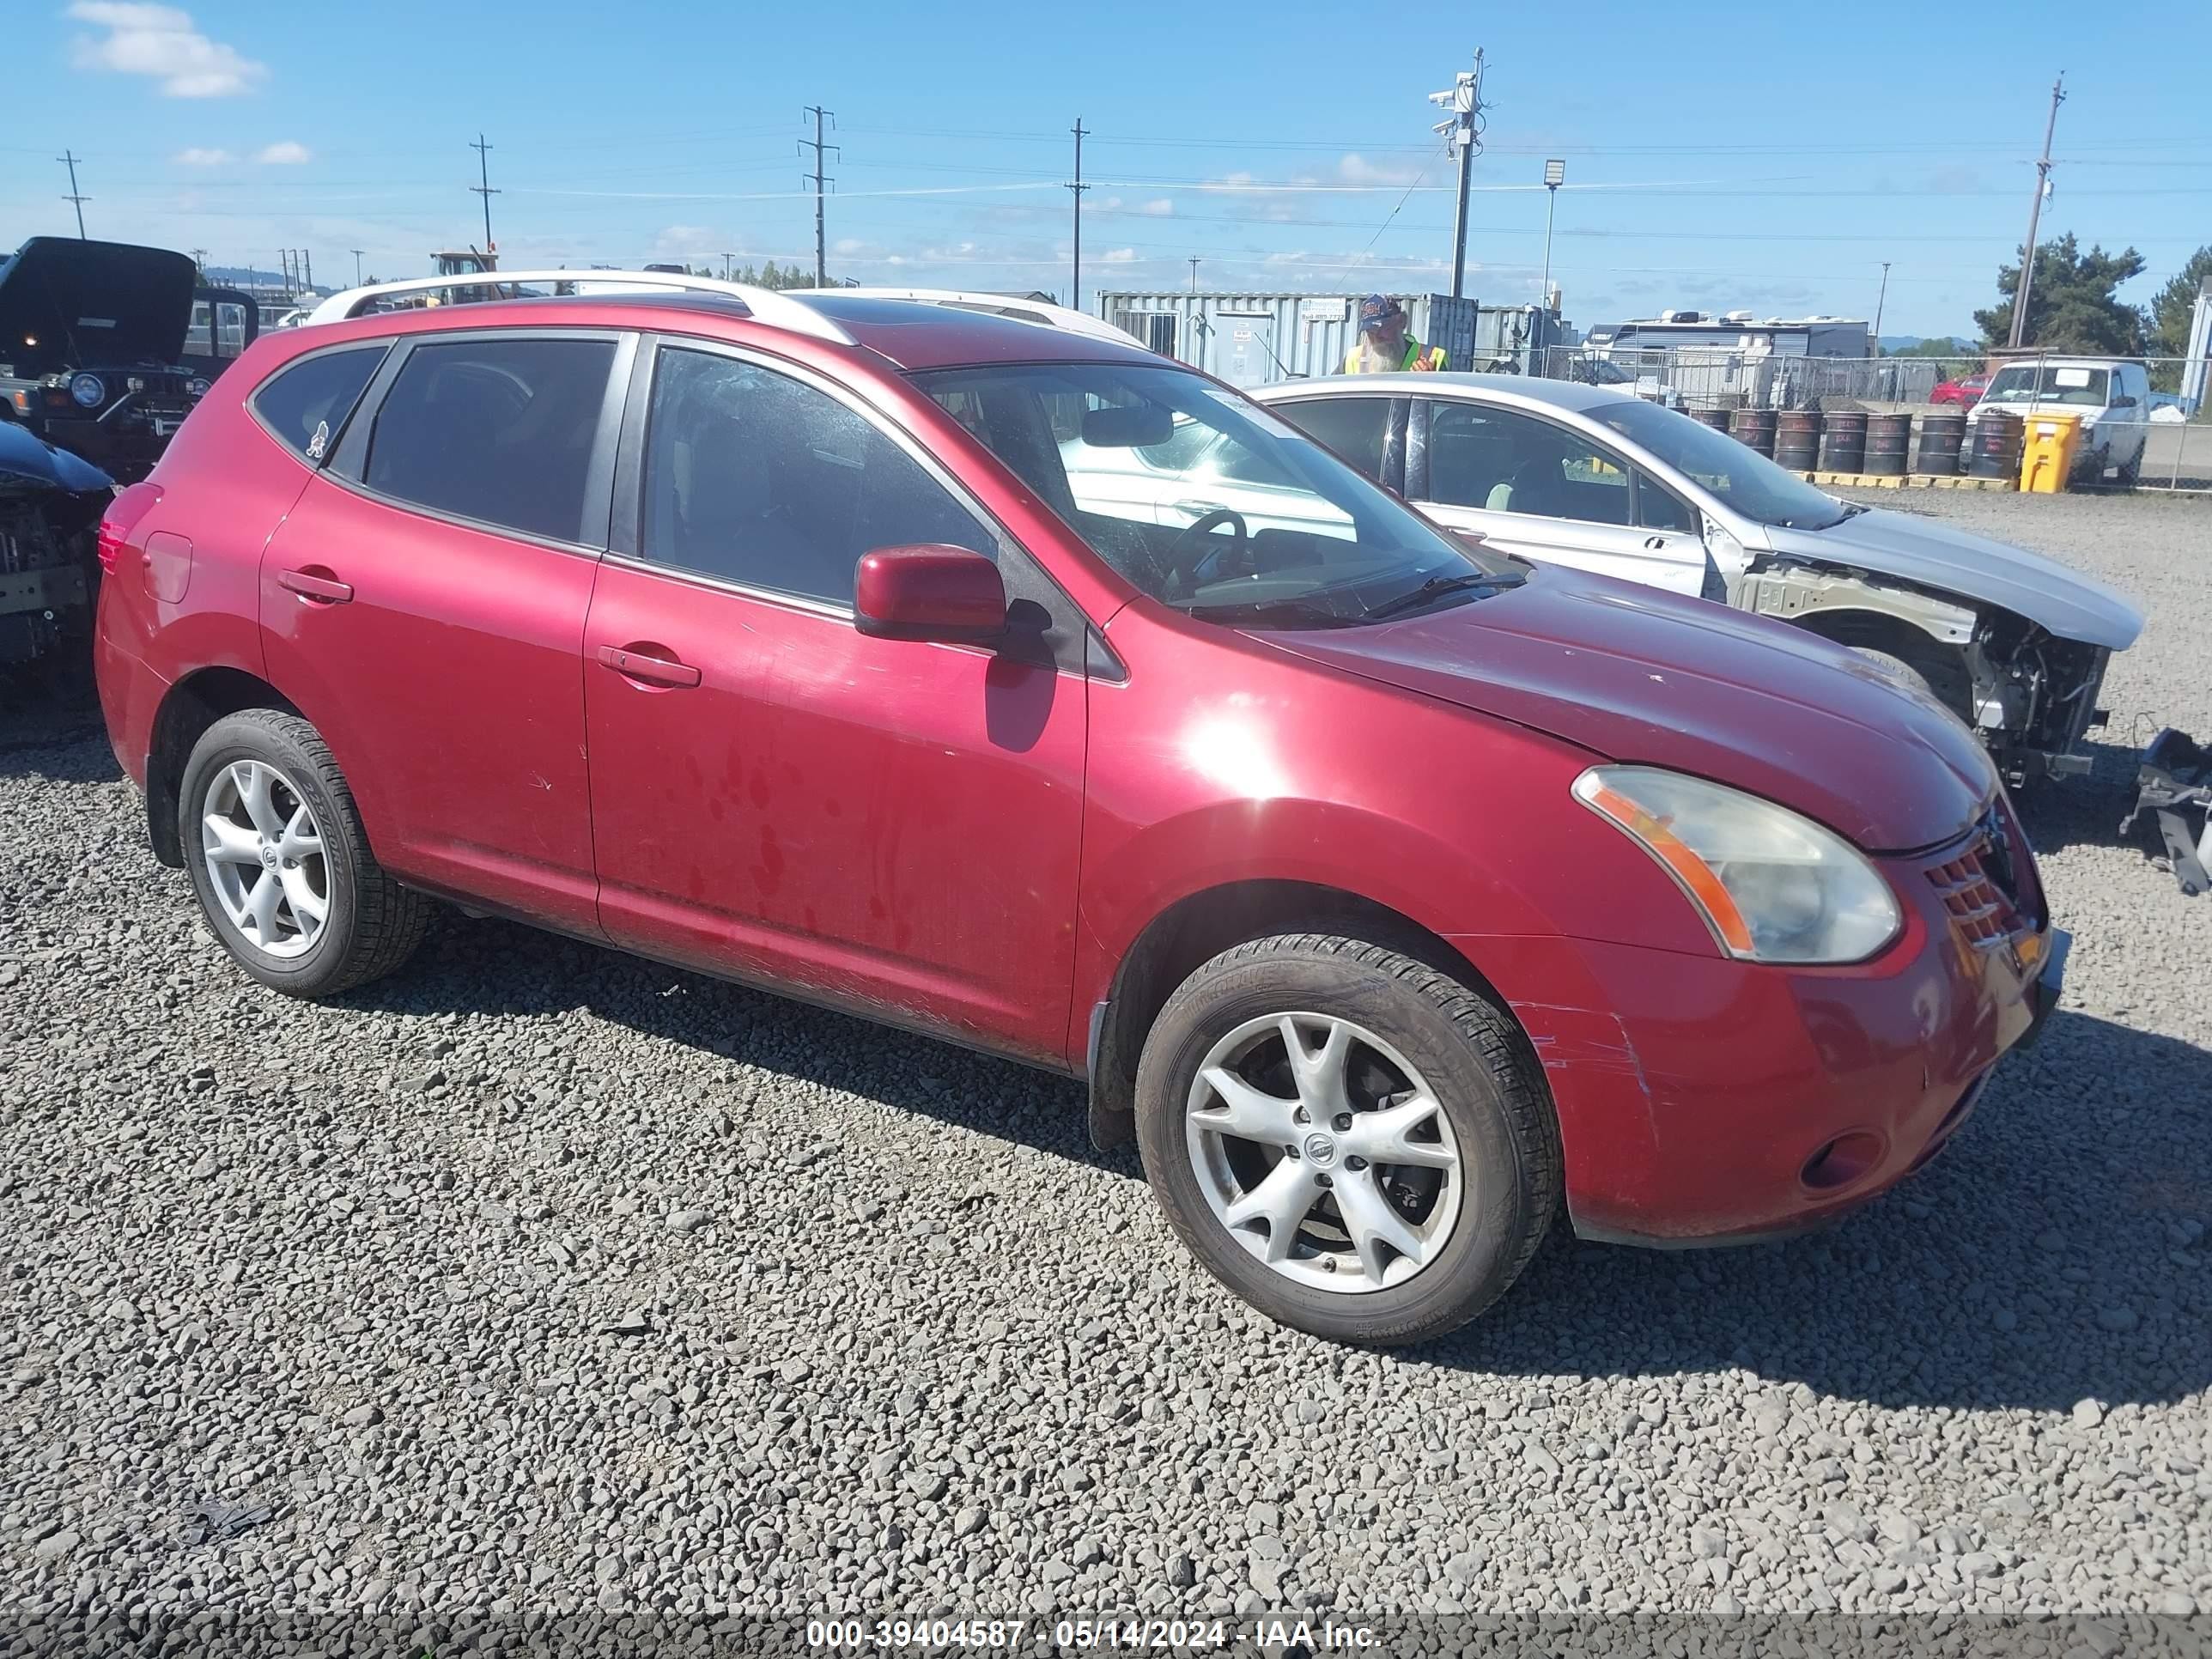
{"points": [[1655, 543], [637, 663], [315, 584]]}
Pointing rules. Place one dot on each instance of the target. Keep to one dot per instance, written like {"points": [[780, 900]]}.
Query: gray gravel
{"points": [[543, 1277]]}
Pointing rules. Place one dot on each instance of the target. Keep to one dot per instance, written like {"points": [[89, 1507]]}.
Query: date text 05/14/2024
{"points": [[1108, 1633]]}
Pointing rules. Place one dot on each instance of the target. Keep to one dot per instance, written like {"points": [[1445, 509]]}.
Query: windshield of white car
{"points": [[1738, 474], [1207, 501], [2050, 383]]}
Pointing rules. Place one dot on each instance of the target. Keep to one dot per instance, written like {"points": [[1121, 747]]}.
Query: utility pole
{"points": [[69, 158], [199, 260], [821, 244], [1077, 189], [1881, 300], [726, 257], [1555, 175], [483, 187], [1462, 132], [356, 253], [2034, 214]]}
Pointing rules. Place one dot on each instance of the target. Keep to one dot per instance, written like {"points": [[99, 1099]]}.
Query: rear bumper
{"points": [[1705, 1101]]}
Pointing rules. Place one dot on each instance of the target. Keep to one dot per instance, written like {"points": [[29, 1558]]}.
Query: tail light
{"points": [[120, 519]]}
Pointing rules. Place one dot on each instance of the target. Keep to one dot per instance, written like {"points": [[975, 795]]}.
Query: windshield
{"points": [[1206, 501], [2050, 383], [1735, 472]]}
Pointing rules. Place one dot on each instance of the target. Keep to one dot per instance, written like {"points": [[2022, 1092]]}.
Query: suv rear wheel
{"points": [[283, 869], [1351, 1140]]}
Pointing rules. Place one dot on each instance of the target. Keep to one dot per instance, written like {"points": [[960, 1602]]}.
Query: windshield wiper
{"points": [[1295, 613], [1437, 587]]}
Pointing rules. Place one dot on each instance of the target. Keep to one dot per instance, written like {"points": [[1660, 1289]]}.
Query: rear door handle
{"points": [[314, 585], [634, 664]]}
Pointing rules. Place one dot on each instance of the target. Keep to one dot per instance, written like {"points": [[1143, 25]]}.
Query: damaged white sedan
{"points": [[2014, 644]]}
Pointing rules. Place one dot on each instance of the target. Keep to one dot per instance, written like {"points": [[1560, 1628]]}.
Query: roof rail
{"points": [[996, 305], [767, 305]]}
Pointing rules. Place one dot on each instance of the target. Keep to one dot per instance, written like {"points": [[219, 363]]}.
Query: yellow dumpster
{"points": [[2046, 450]]}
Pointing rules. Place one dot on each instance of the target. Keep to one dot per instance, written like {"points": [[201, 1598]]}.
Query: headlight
{"points": [[1773, 886], [198, 386], [87, 391]]}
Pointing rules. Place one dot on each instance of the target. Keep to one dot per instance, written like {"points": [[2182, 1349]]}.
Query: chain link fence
{"points": [[2148, 421]]}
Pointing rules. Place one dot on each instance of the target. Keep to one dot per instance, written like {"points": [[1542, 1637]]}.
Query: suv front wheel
{"points": [[284, 871], [1352, 1141]]}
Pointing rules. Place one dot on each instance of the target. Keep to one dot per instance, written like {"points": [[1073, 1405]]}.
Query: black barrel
{"points": [[1754, 427], [1797, 439], [1941, 433], [1843, 441], [1889, 444], [1996, 445], [1716, 418]]}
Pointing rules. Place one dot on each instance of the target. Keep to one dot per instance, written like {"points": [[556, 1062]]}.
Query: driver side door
{"points": [[1547, 492], [885, 825]]}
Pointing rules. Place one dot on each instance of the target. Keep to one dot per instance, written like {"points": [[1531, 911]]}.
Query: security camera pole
{"points": [[1464, 99], [1555, 175]]}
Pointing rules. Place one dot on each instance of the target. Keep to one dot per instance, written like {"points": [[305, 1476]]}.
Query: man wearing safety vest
{"points": [[1384, 345]]}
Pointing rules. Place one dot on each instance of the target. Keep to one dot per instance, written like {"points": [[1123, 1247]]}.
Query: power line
{"points": [[820, 244]]}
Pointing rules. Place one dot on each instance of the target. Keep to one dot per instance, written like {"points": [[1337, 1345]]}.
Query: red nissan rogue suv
{"points": [[900, 658]]}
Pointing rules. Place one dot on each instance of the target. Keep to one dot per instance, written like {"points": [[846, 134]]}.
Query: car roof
{"points": [[912, 334], [1518, 388], [917, 334]]}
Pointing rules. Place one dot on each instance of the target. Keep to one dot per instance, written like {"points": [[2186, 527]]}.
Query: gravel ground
{"points": [[540, 1278]]}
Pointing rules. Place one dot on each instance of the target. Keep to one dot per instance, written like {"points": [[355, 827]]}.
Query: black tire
{"points": [[373, 924], [1476, 1061]]}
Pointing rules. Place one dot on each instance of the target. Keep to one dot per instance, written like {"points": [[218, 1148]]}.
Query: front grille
{"points": [[1985, 883]]}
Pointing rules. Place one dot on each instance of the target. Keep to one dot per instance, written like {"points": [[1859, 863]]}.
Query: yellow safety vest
{"points": [[1416, 358]]}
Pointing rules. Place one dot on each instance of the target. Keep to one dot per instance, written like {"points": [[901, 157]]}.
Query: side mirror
{"points": [[930, 591]]}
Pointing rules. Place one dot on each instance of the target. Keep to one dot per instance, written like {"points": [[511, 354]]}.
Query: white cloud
{"points": [[286, 152], [161, 43], [687, 242], [1161, 208], [197, 157], [1356, 169], [848, 245], [1121, 256]]}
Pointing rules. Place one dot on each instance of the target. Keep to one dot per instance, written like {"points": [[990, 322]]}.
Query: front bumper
{"points": [[1703, 1100]]}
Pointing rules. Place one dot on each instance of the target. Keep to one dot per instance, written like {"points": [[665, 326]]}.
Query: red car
{"points": [[1965, 391], [1390, 894]]}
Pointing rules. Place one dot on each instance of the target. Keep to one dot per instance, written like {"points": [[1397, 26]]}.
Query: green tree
{"points": [[1941, 346], [2072, 305]]}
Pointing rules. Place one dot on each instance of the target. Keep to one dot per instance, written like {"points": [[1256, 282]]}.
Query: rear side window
{"points": [[497, 430], [305, 404]]}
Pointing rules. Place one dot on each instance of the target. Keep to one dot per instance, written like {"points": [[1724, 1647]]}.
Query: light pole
{"points": [[1555, 175], [1881, 300]]}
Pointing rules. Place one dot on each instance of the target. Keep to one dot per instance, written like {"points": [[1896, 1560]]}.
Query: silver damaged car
{"points": [[2012, 643]]}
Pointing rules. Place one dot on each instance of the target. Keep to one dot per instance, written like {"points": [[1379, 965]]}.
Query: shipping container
{"points": [[1256, 339]]}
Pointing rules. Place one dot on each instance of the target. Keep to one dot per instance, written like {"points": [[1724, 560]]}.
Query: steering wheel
{"points": [[1178, 564]]}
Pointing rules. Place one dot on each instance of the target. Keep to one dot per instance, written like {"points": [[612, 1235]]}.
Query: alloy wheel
{"points": [[264, 858], [1324, 1152]]}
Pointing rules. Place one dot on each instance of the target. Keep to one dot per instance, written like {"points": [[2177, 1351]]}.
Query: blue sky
{"points": [[1712, 164]]}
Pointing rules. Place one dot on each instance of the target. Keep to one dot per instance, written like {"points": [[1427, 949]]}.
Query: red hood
{"points": [[1635, 674]]}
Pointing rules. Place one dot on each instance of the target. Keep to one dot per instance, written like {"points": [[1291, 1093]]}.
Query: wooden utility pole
{"points": [[2026, 282], [815, 144]]}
